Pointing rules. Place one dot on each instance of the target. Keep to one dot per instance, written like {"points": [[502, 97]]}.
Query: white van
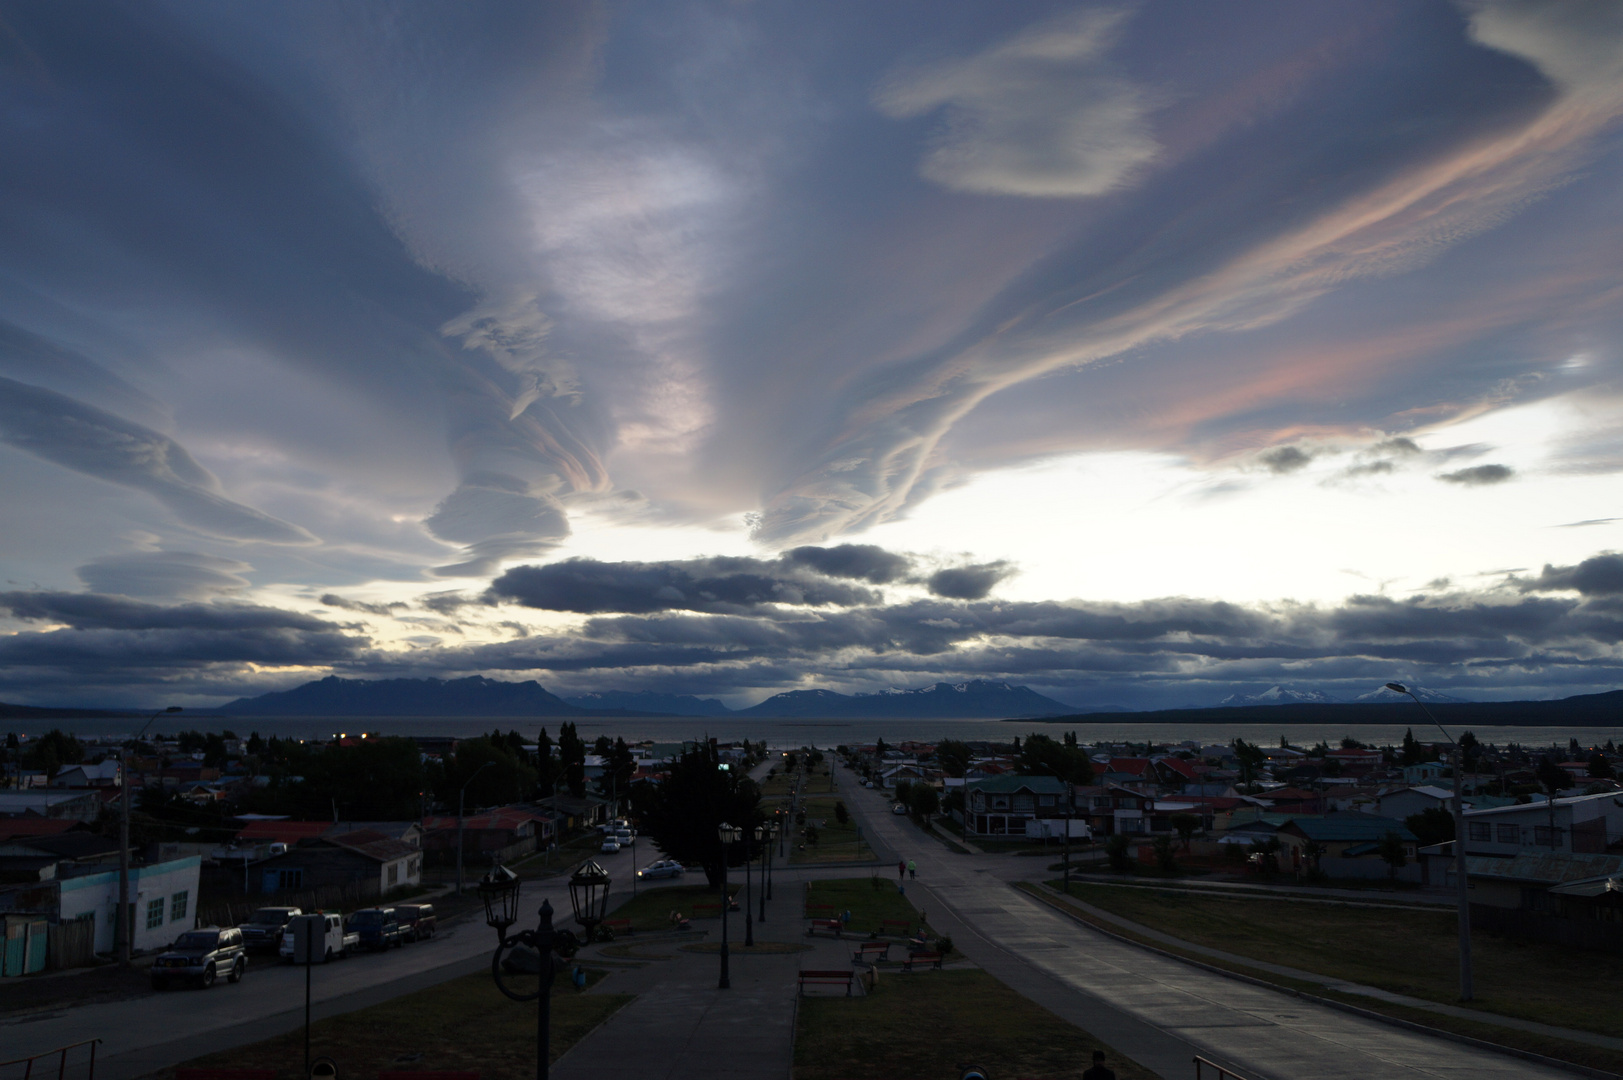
{"points": [[339, 942]]}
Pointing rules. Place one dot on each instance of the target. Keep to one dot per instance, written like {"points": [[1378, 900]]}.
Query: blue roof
{"points": [[1338, 828]]}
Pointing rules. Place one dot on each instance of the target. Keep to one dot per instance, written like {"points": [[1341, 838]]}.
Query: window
{"points": [[415, 866], [1544, 836], [1000, 802], [289, 879], [394, 873], [154, 913], [177, 905], [1510, 834], [1045, 800], [1480, 830]]}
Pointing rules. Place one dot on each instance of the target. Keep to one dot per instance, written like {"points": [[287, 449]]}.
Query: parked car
{"points": [[416, 920], [378, 928], [610, 846], [899, 808], [263, 930], [340, 942], [200, 956], [625, 837], [664, 868], [867, 783]]}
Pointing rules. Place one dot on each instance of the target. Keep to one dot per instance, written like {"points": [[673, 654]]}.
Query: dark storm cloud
{"points": [[968, 582], [334, 600], [1600, 575], [1478, 475], [863, 562], [91, 611], [1285, 459], [720, 583], [165, 575], [97, 443]]}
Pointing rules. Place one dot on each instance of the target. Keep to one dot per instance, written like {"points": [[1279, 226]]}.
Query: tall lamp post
{"points": [[764, 832], [461, 799], [749, 893], [124, 931], [728, 835], [499, 890], [1070, 808], [1461, 885]]}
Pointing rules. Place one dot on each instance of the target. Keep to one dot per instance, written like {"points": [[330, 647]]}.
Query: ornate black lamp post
{"points": [[728, 835], [771, 837], [499, 890], [763, 838], [589, 896], [749, 891]]}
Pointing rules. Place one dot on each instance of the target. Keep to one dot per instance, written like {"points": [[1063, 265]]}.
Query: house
{"points": [[1404, 802], [1562, 897], [368, 859], [1003, 805], [1356, 761], [280, 831], [581, 813], [508, 832], [163, 898], [104, 774], [78, 848], [1350, 845], [408, 832], [37, 802], [1580, 824], [1423, 771]]}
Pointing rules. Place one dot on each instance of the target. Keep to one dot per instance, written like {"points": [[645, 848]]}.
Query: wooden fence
{"points": [[70, 945]]}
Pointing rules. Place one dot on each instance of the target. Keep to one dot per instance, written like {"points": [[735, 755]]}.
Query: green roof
{"points": [[1003, 785]]}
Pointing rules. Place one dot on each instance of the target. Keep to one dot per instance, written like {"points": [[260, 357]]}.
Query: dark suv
{"points": [[200, 956], [378, 928], [263, 930], [416, 920]]}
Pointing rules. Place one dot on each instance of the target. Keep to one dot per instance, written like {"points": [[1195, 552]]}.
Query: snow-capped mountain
{"points": [[1382, 696], [976, 699], [1279, 695]]}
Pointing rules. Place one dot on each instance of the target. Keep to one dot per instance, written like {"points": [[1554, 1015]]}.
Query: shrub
{"points": [[841, 814], [1116, 851], [1164, 855]]}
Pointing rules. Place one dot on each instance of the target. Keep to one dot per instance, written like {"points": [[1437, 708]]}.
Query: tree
{"points": [[681, 814], [52, 750], [1165, 859], [923, 800], [1433, 825], [1392, 854], [509, 777], [546, 765], [1600, 768], [618, 768], [1313, 851], [1555, 780], [841, 814], [1186, 825], [1250, 758], [572, 759], [953, 756], [1042, 756], [1116, 852], [1414, 751], [1470, 749], [903, 788]]}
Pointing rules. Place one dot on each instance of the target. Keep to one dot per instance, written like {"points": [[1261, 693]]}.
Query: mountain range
{"points": [[1284, 695], [979, 699]]}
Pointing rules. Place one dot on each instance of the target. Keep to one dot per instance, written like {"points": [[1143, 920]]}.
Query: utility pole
{"points": [[124, 930]]}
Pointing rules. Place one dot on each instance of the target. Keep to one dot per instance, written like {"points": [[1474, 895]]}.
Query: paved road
{"points": [[1264, 1033], [154, 1031]]}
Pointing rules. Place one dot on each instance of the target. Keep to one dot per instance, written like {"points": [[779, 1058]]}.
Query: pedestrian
{"points": [[912, 869], [901, 869], [1099, 1072]]}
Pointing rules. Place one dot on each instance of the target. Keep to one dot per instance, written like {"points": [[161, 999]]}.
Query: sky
{"points": [[1138, 353]]}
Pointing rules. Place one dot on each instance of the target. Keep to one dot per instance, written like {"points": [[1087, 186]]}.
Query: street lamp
{"points": [[124, 931], [763, 835], [1461, 885], [727, 834], [499, 890], [589, 896], [461, 798]]}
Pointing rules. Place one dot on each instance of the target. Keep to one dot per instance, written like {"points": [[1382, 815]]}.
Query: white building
{"points": [[162, 895], [1578, 823]]}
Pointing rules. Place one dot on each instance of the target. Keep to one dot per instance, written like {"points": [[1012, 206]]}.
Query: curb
{"points": [[1368, 1014]]}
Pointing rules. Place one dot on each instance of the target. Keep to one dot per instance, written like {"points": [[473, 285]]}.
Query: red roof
{"points": [[1178, 765], [501, 818], [1134, 766], [36, 826], [283, 832]]}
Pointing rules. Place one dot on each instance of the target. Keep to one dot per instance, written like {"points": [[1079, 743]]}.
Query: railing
{"points": [[61, 1063], [1221, 1072]]}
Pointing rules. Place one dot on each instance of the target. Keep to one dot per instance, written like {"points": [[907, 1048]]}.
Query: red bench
{"points": [[830, 977], [813, 909], [871, 952], [933, 959], [834, 926], [225, 1074], [617, 926]]}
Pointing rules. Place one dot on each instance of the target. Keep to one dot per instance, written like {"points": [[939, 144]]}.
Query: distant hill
{"points": [[976, 700], [473, 696], [40, 712], [1278, 695], [1584, 710], [648, 701]]}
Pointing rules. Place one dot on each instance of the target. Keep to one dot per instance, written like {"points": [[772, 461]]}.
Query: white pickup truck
{"points": [[340, 942]]}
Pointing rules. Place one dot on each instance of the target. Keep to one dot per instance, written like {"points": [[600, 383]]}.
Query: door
{"points": [[12, 962], [35, 949]]}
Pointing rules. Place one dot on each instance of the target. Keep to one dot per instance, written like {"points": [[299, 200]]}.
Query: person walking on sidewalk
{"points": [[912, 869], [901, 869]]}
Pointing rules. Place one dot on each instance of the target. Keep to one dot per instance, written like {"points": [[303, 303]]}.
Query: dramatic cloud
{"points": [[91, 611], [165, 575], [334, 600], [1040, 114], [715, 584], [863, 562], [1479, 475], [1285, 459], [1599, 576], [969, 582], [96, 443]]}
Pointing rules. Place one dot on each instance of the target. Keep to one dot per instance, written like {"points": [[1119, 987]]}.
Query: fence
{"points": [[1541, 926], [345, 897], [1217, 1071], [70, 945], [68, 1065]]}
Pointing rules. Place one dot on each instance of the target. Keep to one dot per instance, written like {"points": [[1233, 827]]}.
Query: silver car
{"points": [[662, 869]]}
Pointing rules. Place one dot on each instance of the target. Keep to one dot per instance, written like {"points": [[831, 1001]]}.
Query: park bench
{"points": [[830, 977], [899, 927], [429, 1075], [931, 958], [833, 926], [617, 927], [871, 952], [225, 1074]]}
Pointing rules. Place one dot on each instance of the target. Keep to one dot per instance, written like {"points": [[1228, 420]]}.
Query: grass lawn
{"points": [[868, 906], [651, 908], [1402, 950], [835, 842], [464, 1024], [928, 1025]]}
